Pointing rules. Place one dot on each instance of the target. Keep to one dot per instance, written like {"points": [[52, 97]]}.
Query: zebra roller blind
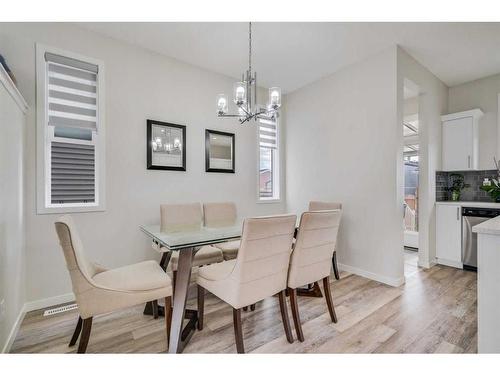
{"points": [[72, 173], [268, 134], [72, 92], [72, 110]]}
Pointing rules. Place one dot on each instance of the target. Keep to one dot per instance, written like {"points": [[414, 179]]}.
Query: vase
{"points": [[455, 195]]}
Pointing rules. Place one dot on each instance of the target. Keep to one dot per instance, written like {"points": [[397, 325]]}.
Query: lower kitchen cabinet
{"points": [[449, 235]]}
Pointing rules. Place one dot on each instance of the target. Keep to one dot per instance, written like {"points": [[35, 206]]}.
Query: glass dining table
{"points": [[186, 243]]}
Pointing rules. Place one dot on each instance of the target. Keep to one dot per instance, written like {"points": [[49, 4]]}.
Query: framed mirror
{"points": [[219, 151], [166, 146]]}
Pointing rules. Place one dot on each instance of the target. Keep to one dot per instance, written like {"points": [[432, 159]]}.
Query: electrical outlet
{"points": [[2, 310]]}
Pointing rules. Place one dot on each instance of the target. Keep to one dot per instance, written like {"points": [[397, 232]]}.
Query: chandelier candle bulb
{"points": [[240, 94], [275, 97], [222, 104]]}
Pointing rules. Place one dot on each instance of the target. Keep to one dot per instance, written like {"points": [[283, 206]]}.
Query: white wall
{"points": [[139, 85], [432, 103], [482, 93], [411, 106], [343, 143], [12, 254]]}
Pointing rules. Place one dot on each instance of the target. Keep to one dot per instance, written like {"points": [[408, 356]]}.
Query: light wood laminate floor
{"points": [[434, 312]]}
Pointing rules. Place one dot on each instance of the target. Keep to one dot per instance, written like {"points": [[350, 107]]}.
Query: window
{"points": [[268, 161], [70, 135]]}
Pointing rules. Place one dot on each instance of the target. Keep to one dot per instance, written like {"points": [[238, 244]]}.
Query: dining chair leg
{"points": [[328, 297], [168, 316], [295, 314], [238, 331], [335, 267], [84, 338], [201, 306], [78, 329], [284, 316], [155, 308], [252, 307]]}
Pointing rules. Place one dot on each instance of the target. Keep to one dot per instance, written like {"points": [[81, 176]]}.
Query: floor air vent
{"points": [[59, 310]]}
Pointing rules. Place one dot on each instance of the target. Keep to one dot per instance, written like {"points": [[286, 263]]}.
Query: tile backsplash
{"points": [[473, 178]]}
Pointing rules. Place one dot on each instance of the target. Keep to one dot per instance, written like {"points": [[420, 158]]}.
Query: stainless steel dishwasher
{"points": [[472, 216]]}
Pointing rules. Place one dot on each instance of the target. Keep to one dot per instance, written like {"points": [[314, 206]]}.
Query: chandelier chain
{"points": [[250, 47]]}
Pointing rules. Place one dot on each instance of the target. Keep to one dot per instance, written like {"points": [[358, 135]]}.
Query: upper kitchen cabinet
{"points": [[461, 140]]}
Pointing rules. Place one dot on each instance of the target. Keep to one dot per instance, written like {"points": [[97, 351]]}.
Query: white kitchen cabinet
{"points": [[449, 235], [461, 140]]}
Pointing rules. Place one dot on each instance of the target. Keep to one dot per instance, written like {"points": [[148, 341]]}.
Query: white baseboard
{"points": [[392, 281], [47, 302], [426, 265], [14, 330], [450, 263]]}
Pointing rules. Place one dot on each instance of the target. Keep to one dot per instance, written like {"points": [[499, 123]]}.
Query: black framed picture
{"points": [[219, 151], [166, 146]]}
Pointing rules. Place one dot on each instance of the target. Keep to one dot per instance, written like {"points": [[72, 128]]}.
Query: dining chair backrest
{"points": [[219, 214], [311, 259], [320, 205], [262, 263], [180, 217], [81, 270]]}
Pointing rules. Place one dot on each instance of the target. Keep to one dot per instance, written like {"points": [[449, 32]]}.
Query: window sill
{"points": [[269, 200], [69, 210]]}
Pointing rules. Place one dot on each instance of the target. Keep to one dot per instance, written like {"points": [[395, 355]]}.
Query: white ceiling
{"points": [[291, 55]]}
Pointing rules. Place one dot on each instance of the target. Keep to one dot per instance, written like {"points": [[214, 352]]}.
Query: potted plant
{"points": [[493, 187], [457, 185], [493, 190]]}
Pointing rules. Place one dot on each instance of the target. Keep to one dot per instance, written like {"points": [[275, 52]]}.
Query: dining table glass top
{"points": [[179, 240]]}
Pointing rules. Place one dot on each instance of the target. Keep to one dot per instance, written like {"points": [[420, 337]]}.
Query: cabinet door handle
{"points": [[458, 213], [468, 161]]}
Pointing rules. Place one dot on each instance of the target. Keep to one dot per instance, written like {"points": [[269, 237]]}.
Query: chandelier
{"points": [[245, 95]]}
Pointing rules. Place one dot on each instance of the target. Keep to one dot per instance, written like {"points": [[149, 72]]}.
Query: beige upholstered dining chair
{"points": [[259, 271], [311, 257], [221, 215], [99, 290], [185, 217], [319, 206]]}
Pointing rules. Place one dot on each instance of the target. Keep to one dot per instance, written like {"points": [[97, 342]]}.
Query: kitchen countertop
{"points": [[470, 204], [491, 226]]}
